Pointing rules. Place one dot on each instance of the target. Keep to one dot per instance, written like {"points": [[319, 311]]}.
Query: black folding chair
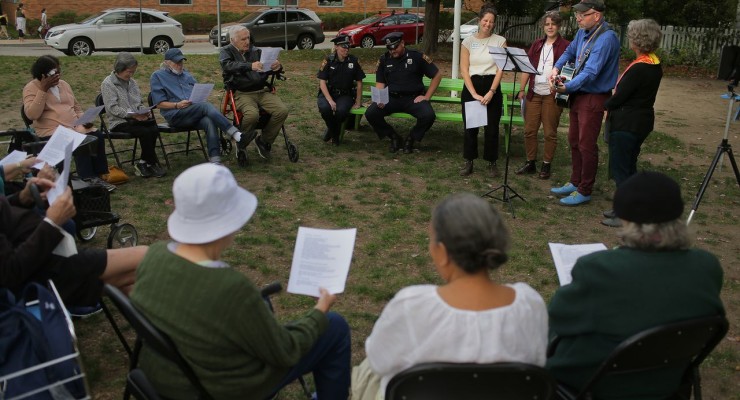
{"points": [[666, 346], [164, 127], [147, 333], [444, 381], [139, 386]]}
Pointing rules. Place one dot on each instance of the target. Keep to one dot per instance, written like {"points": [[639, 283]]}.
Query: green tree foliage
{"points": [[695, 13]]}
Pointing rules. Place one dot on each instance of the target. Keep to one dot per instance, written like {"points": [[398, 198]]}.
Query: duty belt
{"points": [[403, 94], [340, 92]]}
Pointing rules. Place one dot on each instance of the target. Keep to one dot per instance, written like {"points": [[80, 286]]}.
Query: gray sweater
{"points": [[120, 97]]}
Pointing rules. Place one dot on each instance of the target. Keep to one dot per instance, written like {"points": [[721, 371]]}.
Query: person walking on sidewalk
{"points": [[4, 27], [20, 22], [541, 108]]}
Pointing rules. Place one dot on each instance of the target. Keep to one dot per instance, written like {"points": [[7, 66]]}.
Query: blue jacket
{"points": [[168, 86], [600, 73]]}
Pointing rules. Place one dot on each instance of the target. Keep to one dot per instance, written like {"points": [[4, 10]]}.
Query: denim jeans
{"points": [[624, 147], [206, 117], [329, 361]]}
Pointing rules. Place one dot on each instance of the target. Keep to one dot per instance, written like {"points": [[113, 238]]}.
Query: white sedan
{"points": [[467, 29]]}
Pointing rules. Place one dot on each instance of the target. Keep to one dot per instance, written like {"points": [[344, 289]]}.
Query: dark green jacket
{"points": [[617, 293]]}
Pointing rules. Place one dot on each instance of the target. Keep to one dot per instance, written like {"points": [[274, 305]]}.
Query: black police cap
{"points": [[340, 40], [393, 38]]}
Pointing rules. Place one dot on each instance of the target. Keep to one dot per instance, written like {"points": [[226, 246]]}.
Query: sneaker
{"points": [[574, 199], [612, 222], [143, 170], [215, 160], [564, 190], [545, 171], [99, 182], [84, 311], [467, 169], [158, 171], [263, 149], [529, 167], [609, 214], [246, 139]]}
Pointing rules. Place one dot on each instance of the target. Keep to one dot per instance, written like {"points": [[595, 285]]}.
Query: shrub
{"points": [[202, 23], [337, 21]]}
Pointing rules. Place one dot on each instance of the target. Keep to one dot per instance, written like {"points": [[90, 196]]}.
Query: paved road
{"points": [[194, 44]]}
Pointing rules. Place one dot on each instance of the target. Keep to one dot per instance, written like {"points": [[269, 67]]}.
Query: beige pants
{"points": [[365, 383], [4, 32], [248, 103]]}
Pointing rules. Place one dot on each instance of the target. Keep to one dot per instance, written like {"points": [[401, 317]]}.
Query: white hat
{"points": [[209, 205]]}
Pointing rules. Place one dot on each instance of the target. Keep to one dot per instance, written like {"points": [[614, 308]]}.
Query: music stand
{"points": [[509, 59]]}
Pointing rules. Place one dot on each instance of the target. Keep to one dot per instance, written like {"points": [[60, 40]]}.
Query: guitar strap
{"points": [[587, 50]]}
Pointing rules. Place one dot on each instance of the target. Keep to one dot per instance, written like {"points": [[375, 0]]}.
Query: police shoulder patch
{"points": [[426, 58], [323, 65]]}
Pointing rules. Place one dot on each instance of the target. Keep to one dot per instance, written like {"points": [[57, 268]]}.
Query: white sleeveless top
{"points": [[481, 61]]}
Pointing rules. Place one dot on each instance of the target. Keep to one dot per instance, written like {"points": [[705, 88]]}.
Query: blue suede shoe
{"points": [[564, 190], [575, 199]]}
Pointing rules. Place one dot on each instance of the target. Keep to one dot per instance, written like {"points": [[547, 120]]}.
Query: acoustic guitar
{"points": [[566, 74]]}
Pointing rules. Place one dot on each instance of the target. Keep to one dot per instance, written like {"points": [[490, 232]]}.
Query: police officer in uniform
{"points": [[401, 70], [340, 87]]}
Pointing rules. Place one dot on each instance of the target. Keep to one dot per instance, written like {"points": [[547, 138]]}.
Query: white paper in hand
{"points": [[200, 92], [53, 152], [565, 257], [88, 116], [476, 114], [379, 96], [61, 183], [321, 259], [14, 157]]}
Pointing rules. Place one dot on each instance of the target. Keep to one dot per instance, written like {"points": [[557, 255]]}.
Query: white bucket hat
{"points": [[209, 205]]}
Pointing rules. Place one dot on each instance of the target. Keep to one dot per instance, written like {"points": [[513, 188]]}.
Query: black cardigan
{"points": [[631, 106]]}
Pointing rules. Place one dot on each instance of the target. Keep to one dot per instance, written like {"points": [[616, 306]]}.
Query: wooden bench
{"points": [[442, 96]]}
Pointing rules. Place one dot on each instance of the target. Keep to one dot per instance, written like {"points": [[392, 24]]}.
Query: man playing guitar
{"points": [[595, 54]]}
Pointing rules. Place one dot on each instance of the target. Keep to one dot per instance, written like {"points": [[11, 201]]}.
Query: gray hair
{"points": [[236, 29], [124, 61], [472, 231], [555, 16], [644, 34], [671, 235]]}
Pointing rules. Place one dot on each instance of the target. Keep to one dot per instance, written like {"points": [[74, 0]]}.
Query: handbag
{"points": [[115, 176]]}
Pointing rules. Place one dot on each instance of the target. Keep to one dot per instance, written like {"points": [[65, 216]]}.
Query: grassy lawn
{"points": [[388, 198]]}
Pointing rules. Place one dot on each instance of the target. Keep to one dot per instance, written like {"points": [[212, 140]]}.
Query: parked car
{"points": [[469, 28], [118, 29], [370, 31], [267, 28]]}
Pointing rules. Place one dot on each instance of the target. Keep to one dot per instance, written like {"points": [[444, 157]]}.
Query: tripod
{"points": [[519, 63], [724, 147]]}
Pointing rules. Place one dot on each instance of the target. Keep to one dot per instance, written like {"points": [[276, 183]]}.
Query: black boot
{"points": [[395, 143], [545, 171], [327, 135], [467, 169], [529, 167], [408, 145]]}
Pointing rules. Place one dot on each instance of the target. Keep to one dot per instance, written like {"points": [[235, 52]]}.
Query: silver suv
{"points": [[267, 28], [118, 29]]}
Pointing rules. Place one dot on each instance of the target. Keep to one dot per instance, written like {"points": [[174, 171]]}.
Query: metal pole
{"points": [[285, 22], [218, 23], [141, 29], [456, 40], [416, 39]]}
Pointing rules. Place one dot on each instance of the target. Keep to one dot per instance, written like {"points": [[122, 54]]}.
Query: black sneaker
{"points": [[408, 145], [263, 149], [143, 170], [157, 170], [327, 135], [246, 139], [529, 167]]}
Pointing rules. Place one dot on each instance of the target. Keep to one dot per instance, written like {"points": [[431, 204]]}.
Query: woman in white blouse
{"points": [[470, 318], [482, 81]]}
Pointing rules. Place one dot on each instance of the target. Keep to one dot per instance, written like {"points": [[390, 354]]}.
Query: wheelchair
{"points": [[92, 202], [229, 110]]}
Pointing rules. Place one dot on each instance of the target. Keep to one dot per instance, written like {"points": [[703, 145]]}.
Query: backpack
{"points": [[32, 335]]}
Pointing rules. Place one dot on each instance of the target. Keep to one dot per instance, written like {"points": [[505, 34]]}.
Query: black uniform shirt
{"points": [[404, 74], [341, 75]]}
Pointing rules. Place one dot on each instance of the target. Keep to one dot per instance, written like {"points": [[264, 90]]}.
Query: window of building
{"points": [[331, 3], [272, 3], [176, 2], [406, 3]]}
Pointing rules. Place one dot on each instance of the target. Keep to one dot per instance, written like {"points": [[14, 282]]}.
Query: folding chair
{"points": [[112, 135], [139, 386], [444, 381], [147, 333], [666, 346], [51, 332], [26, 140], [164, 127]]}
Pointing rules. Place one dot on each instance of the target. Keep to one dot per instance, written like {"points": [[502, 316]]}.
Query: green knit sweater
{"points": [[222, 327]]}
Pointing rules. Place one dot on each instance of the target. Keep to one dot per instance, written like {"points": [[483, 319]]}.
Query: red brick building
{"points": [[33, 7]]}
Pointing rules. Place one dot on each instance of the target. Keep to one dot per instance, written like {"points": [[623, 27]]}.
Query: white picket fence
{"points": [[526, 30]]}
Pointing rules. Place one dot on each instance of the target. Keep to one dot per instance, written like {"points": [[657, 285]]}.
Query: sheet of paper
{"points": [[53, 152], [269, 56], [61, 182], [565, 256], [15, 157], [142, 111], [200, 92], [321, 259], [379, 96], [88, 116], [476, 114], [523, 105], [507, 59]]}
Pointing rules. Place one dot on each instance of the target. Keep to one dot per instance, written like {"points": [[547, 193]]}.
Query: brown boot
{"points": [[467, 169], [529, 167], [493, 169], [545, 171]]}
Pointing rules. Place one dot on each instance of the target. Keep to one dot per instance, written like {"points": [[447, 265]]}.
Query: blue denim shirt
{"points": [[168, 86], [600, 73]]}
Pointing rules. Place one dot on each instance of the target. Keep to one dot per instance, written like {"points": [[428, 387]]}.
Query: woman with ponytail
{"points": [[470, 317]]}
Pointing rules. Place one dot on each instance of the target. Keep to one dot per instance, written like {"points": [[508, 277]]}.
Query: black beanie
{"points": [[648, 198]]}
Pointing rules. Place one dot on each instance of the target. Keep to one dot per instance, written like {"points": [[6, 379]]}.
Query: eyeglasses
{"points": [[582, 15]]}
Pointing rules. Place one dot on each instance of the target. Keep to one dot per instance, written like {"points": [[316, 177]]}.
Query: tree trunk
{"points": [[431, 27]]}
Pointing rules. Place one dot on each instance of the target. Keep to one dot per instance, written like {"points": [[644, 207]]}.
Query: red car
{"points": [[370, 31]]}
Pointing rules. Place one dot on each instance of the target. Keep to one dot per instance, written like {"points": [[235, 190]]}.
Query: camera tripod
{"points": [[724, 147]]}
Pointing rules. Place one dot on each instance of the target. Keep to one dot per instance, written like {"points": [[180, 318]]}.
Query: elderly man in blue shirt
{"points": [[595, 54], [171, 86]]}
